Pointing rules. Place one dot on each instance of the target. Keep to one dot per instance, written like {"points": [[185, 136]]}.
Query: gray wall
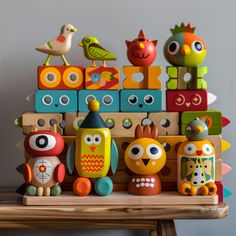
{"points": [[25, 24]]}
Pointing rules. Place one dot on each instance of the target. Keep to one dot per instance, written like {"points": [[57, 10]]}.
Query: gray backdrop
{"points": [[25, 24]]}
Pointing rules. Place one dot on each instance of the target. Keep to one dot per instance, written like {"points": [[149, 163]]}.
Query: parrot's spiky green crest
{"points": [[182, 28]]}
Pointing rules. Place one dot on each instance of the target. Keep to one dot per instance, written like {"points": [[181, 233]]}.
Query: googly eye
{"points": [[190, 148], [89, 98], [207, 149], [42, 142], [197, 47], [179, 100], [47, 100], [154, 151], [97, 139], [136, 151], [133, 99], [173, 48], [148, 99], [107, 100], [64, 100], [88, 139]]}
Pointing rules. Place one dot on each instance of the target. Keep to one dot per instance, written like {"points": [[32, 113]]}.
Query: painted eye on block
{"points": [[190, 148], [207, 149], [148, 100], [88, 139], [107, 100], [42, 142], [64, 100], [89, 98], [97, 139], [154, 151], [133, 99], [136, 151], [179, 100], [47, 100]]}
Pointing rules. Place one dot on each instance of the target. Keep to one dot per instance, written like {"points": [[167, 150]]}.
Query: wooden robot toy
{"points": [[93, 155], [43, 172], [145, 157], [196, 161]]}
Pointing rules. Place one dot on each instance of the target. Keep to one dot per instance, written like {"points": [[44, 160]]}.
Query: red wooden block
{"points": [[61, 77], [186, 100], [220, 191], [225, 121]]}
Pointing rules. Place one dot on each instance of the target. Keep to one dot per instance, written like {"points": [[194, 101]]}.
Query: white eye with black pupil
{"points": [[148, 99], [97, 139], [197, 47], [133, 99], [64, 100], [173, 47], [154, 151], [206, 148], [190, 148], [47, 100], [42, 142], [88, 139], [136, 151]]}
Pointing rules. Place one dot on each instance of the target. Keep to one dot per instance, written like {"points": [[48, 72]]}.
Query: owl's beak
{"points": [[185, 50], [92, 148]]}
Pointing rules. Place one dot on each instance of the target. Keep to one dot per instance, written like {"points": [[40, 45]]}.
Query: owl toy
{"points": [[93, 155], [145, 157], [43, 172], [196, 161]]}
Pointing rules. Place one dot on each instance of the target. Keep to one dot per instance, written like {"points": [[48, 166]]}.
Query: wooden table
{"points": [[159, 219]]}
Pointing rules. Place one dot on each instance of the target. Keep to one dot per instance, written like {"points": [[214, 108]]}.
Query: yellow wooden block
{"points": [[149, 77], [225, 145]]}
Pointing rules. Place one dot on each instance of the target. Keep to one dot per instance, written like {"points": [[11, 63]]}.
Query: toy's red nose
{"points": [[92, 148], [199, 152]]}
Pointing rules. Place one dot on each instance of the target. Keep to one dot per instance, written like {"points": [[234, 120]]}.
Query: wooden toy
{"points": [[140, 100], [108, 99], [212, 118], [44, 171], [184, 48], [56, 101], [139, 77], [95, 52], [141, 51], [186, 100], [102, 78], [145, 157], [93, 154], [60, 45], [42, 121], [220, 192], [225, 169], [61, 77], [196, 161], [167, 122], [178, 77]]}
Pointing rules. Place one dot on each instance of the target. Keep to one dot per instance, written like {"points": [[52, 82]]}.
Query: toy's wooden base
{"points": [[120, 198]]}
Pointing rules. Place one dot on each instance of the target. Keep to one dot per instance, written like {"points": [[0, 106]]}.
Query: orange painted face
{"points": [[145, 156]]}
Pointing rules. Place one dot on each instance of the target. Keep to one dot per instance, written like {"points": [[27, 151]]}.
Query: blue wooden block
{"points": [[56, 101], [145, 100], [108, 99]]}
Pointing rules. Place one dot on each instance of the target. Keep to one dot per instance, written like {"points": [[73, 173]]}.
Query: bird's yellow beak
{"points": [[73, 30], [81, 44], [141, 45], [185, 50], [198, 129]]}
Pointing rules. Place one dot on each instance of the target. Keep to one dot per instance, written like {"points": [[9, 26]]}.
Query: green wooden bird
{"points": [[95, 52]]}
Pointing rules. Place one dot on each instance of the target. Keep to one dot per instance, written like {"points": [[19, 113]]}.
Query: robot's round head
{"points": [[145, 155], [184, 48], [196, 130], [44, 143]]}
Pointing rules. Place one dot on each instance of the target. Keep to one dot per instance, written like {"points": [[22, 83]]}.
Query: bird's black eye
{"points": [[148, 99], [135, 150], [133, 99], [67, 29], [87, 40], [173, 47], [41, 141], [197, 47], [141, 39]]}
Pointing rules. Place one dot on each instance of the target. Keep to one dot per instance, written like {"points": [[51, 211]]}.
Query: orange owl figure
{"points": [[145, 157]]}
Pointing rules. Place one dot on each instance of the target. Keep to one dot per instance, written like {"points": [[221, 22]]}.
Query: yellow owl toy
{"points": [[196, 161], [93, 154], [145, 156]]}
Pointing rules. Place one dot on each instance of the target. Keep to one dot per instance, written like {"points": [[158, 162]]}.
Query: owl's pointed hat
{"points": [[93, 119]]}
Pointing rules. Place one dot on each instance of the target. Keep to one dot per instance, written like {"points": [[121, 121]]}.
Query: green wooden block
{"points": [[213, 118], [201, 71], [172, 71]]}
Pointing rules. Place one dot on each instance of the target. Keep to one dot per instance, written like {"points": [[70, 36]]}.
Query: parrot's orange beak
{"points": [[198, 129], [185, 50], [141, 45], [92, 148]]}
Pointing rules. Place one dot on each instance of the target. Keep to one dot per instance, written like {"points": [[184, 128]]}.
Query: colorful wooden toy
{"points": [[141, 51], [145, 157], [167, 122], [93, 154], [138, 77], [56, 101], [61, 77], [186, 100], [95, 52], [44, 171], [60, 45], [196, 161], [102, 78], [140, 100], [108, 99], [42, 121], [186, 77], [212, 118]]}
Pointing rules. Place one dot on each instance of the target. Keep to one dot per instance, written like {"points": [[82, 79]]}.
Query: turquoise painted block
{"points": [[56, 101], [145, 100], [108, 99], [227, 193]]}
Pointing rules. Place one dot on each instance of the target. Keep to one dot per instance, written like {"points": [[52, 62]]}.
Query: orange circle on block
{"points": [[50, 77], [72, 77], [82, 186], [209, 120]]}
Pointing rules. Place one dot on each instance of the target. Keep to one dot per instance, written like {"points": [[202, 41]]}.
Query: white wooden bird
{"points": [[60, 45]]}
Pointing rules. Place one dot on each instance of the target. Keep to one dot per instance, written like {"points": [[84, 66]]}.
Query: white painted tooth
{"points": [[133, 180], [152, 180], [142, 184], [147, 180], [138, 180], [137, 185], [147, 184], [152, 185], [142, 179]]}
